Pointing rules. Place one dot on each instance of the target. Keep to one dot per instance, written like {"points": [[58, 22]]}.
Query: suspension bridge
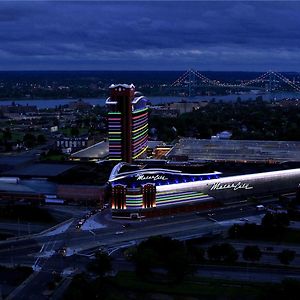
{"points": [[268, 81]]}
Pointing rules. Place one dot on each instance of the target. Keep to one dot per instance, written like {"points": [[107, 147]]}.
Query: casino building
{"points": [[127, 123], [154, 191]]}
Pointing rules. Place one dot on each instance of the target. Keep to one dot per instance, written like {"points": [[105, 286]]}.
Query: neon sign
{"points": [[151, 177], [234, 186]]}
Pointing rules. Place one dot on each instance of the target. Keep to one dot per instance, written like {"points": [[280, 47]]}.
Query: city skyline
{"points": [[140, 35]]}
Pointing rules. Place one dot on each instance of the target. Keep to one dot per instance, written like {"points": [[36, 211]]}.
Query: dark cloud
{"points": [[150, 35]]}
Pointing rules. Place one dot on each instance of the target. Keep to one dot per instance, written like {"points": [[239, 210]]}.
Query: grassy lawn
{"points": [[195, 286], [15, 135]]}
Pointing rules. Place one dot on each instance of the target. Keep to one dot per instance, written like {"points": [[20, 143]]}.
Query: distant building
{"points": [[173, 110], [18, 109], [186, 106], [288, 102], [127, 123], [71, 144], [164, 112]]}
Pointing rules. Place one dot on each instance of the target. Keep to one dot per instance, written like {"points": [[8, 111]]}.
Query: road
{"points": [[40, 250]]}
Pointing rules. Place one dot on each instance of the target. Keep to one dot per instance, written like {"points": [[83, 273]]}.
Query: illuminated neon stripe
{"points": [[135, 196], [139, 110], [144, 132], [140, 153], [137, 149], [114, 119], [141, 128], [142, 119], [178, 199], [139, 116], [139, 123], [142, 140], [203, 199], [182, 199], [178, 196], [114, 113]]}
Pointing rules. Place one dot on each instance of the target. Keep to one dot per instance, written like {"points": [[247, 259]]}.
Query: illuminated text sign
{"points": [[234, 186], [151, 177]]}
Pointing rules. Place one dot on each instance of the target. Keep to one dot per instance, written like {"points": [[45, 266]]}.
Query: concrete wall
{"points": [[84, 194]]}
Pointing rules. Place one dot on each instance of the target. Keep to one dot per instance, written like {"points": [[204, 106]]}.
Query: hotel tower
{"points": [[127, 123]]}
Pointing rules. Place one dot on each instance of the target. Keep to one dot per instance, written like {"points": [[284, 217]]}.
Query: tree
{"points": [[222, 252], [229, 253], [252, 253], [290, 289], [282, 220], [41, 139], [80, 288], [214, 253], [196, 253], [275, 220], [286, 256], [101, 265], [7, 134], [268, 220], [29, 140], [162, 252], [234, 231]]}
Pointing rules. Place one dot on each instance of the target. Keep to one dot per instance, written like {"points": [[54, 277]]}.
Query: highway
{"points": [[77, 240], [40, 251]]}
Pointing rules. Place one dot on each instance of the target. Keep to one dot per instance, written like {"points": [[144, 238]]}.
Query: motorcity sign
{"points": [[231, 186], [151, 177]]}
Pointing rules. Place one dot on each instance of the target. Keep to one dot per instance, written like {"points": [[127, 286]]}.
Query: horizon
{"points": [[123, 70]]}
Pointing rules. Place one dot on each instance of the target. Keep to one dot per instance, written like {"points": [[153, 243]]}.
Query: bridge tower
{"points": [[192, 81], [271, 84]]}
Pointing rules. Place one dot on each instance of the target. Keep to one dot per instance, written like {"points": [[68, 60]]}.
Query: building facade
{"points": [[127, 123], [149, 192]]}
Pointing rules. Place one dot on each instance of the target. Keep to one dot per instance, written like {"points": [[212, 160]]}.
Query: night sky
{"points": [[99, 35]]}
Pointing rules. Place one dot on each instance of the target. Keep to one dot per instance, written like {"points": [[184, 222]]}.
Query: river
{"points": [[52, 103]]}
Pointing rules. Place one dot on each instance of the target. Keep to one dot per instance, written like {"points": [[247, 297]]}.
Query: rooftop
{"points": [[236, 150], [96, 151], [40, 170]]}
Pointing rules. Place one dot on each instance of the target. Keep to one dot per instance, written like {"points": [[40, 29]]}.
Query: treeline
{"points": [[165, 264], [254, 120]]}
